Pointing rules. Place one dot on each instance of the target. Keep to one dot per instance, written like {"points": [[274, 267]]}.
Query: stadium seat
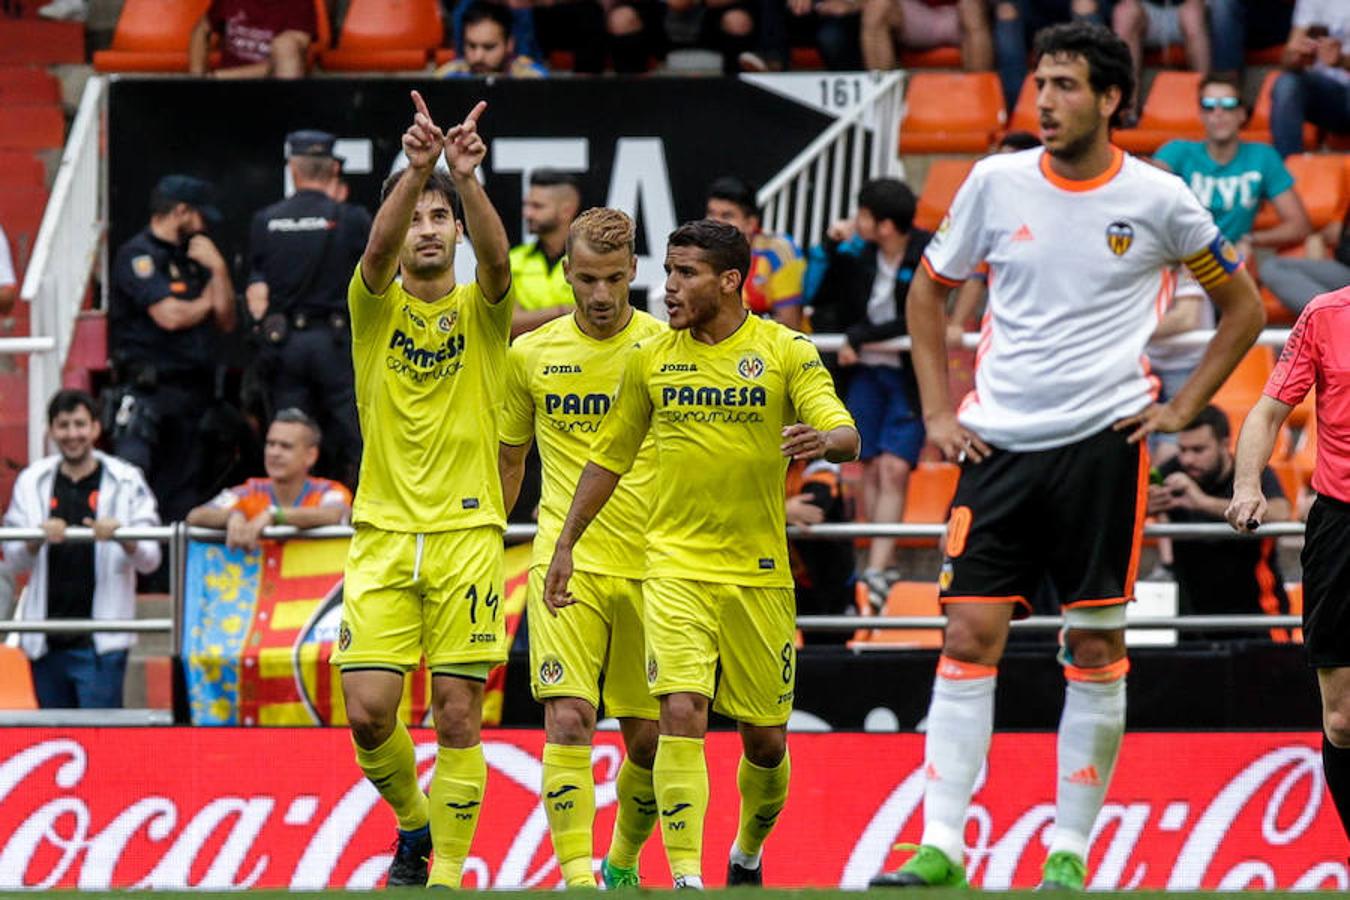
{"points": [[928, 496], [1277, 314], [386, 35], [152, 36], [1291, 479], [25, 85], [944, 177], [16, 680], [1024, 115], [1319, 179], [1299, 415], [933, 123], [907, 598], [1170, 111], [1239, 393], [933, 58], [38, 127], [21, 168], [30, 42]]}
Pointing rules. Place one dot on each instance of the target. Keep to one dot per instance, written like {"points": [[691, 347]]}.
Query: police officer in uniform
{"points": [[302, 254], [171, 296]]}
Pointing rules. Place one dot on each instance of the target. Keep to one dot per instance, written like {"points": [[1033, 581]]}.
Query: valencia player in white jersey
{"points": [[1077, 236]]}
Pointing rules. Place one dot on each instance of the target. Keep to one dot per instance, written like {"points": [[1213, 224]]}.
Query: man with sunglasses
{"points": [[1232, 177]]}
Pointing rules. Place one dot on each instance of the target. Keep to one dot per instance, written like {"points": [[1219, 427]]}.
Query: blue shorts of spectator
{"points": [[881, 409], [79, 678]]}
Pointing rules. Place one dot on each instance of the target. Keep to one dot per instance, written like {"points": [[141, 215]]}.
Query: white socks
{"points": [[1090, 731], [960, 724]]}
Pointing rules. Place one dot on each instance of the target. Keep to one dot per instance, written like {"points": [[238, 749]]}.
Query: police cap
{"points": [[310, 143], [198, 193]]}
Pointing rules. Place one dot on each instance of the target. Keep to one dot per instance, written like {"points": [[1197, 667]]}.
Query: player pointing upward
{"points": [[728, 398], [424, 571], [1076, 236]]}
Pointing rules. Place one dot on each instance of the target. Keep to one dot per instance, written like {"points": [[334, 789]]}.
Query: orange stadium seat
{"points": [[1277, 314], [152, 36], [25, 85], [907, 598], [1320, 180], [1170, 111], [21, 168], [34, 42], [944, 177], [16, 680], [1024, 115], [385, 35], [40, 127], [1300, 415], [933, 58], [1243, 388], [934, 123], [928, 496]]}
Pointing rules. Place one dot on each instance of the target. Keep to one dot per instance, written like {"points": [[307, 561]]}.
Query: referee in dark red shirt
{"points": [[1317, 354]]}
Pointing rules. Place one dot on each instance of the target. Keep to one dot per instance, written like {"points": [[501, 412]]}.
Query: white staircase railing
{"points": [[63, 259], [822, 183]]}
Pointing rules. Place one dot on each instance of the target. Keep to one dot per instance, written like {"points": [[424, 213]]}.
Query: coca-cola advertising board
{"points": [[239, 808]]}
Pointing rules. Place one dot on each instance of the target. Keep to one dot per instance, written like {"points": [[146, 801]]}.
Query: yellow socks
{"points": [[680, 779], [763, 793], [569, 803], [392, 768], [636, 816], [456, 800]]}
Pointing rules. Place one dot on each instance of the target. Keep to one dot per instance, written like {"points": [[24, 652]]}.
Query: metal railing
{"points": [[176, 536], [822, 183], [63, 258], [1270, 337]]}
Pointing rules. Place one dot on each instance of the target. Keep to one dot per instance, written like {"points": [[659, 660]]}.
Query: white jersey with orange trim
{"points": [[1077, 284]]}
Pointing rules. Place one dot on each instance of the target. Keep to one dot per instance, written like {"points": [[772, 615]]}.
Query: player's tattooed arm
{"points": [[593, 490]]}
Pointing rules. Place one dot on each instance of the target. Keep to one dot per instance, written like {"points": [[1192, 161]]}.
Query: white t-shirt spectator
{"points": [[1335, 15]]}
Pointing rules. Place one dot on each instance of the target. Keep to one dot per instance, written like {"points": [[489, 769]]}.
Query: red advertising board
{"points": [[234, 808]]}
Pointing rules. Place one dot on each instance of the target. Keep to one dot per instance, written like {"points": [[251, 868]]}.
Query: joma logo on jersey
{"points": [[576, 404], [416, 319], [562, 369], [1119, 237], [678, 367], [713, 396], [423, 356]]}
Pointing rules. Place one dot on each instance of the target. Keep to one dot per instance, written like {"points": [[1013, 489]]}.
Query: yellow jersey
{"points": [[717, 413], [560, 382], [537, 284], [428, 391]]}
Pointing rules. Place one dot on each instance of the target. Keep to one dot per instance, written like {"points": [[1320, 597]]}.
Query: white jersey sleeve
{"points": [[1195, 240], [961, 241]]}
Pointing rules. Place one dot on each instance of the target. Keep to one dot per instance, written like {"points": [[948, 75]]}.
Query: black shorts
{"points": [[1072, 516], [1326, 584]]}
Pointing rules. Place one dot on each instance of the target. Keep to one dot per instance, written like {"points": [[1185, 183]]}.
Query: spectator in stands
{"points": [[922, 25], [1217, 576], [1188, 308], [1295, 282], [1155, 25], [821, 570], [537, 279], [727, 26], [171, 296], [1316, 84], [302, 251], [80, 486], [635, 30], [489, 47], [868, 264], [258, 39], [774, 285], [831, 26], [1236, 26], [1016, 21], [1231, 176], [9, 286], [289, 495]]}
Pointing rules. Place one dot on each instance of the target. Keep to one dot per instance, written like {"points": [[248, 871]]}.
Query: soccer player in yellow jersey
{"points": [[728, 398], [561, 378], [424, 571]]}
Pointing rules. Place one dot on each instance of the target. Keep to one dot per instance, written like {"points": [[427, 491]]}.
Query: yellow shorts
{"points": [[598, 636], [406, 596], [694, 625]]}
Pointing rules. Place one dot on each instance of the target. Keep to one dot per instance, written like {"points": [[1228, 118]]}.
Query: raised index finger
{"points": [[421, 105], [472, 117]]}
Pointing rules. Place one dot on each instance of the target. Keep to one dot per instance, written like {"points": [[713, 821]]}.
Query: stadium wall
{"points": [[240, 808]]}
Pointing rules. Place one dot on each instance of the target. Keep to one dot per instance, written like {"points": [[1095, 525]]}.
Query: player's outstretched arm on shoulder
{"points": [[1256, 442], [423, 144], [464, 151]]}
